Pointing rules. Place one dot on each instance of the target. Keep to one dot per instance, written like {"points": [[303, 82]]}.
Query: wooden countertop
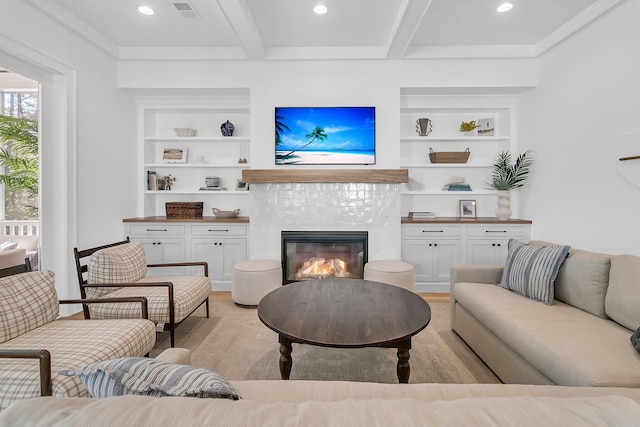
{"points": [[457, 220], [204, 219]]}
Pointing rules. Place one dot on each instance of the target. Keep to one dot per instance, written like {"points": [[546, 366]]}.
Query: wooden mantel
{"points": [[390, 176]]}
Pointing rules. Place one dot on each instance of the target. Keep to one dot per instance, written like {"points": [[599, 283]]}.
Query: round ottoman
{"points": [[253, 279], [397, 273]]}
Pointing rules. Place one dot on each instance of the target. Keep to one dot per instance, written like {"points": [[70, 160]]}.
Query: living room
{"points": [[574, 101], [572, 93]]}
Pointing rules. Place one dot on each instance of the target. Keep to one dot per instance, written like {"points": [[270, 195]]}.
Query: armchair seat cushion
{"points": [[73, 344], [188, 293]]}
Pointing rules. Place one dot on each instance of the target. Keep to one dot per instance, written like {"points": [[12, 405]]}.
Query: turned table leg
{"points": [[285, 358], [403, 365]]}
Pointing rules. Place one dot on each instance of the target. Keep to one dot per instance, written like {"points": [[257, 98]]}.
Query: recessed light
{"points": [[145, 10], [504, 7], [320, 9]]}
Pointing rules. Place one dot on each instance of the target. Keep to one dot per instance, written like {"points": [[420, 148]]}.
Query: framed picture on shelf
{"points": [[467, 209], [241, 185], [174, 155], [486, 127]]}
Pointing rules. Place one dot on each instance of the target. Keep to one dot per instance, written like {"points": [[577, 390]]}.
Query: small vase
{"points": [[227, 128], [504, 202]]}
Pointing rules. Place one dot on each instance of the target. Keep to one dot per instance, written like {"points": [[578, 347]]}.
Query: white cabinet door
{"points": [[163, 250], [432, 258], [221, 254], [487, 252]]}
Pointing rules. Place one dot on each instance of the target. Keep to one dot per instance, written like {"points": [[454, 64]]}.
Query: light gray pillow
{"points": [[583, 280], [530, 270], [151, 377]]}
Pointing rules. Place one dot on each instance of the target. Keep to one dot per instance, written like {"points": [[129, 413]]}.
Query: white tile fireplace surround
{"points": [[324, 206]]}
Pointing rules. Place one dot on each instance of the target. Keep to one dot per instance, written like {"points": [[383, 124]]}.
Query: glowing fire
{"points": [[318, 268]]}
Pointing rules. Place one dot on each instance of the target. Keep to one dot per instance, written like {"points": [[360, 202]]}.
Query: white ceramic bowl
{"points": [[225, 214], [185, 131]]}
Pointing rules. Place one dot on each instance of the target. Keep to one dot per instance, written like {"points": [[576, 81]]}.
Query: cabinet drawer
{"points": [[219, 230], [157, 230], [497, 231], [431, 231]]}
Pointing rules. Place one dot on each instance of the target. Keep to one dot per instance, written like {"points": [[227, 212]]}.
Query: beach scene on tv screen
{"points": [[325, 135]]}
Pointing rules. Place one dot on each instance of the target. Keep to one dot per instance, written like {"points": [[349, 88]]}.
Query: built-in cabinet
{"points": [[220, 244], [433, 246], [424, 191], [192, 159]]}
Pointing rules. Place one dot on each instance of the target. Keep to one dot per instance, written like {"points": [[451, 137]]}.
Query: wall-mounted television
{"points": [[325, 135]]}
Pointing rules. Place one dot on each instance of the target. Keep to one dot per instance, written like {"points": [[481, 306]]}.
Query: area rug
{"points": [[235, 344]]}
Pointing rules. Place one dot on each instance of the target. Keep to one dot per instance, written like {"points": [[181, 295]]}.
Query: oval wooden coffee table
{"points": [[344, 313]]}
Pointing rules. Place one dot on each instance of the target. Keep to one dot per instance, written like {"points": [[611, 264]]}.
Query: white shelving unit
{"points": [[208, 153], [424, 191]]}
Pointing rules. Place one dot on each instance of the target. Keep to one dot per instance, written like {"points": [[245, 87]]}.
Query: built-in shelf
{"points": [[458, 220], [390, 176], [197, 165]]}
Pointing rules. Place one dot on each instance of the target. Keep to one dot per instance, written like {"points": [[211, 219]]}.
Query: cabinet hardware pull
{"points": [[433, 231], [159, 229], [495, 231], [218, 230]]}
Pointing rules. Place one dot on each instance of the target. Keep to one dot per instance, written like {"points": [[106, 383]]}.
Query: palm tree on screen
{"points": [[317, 134], [280, 127]]}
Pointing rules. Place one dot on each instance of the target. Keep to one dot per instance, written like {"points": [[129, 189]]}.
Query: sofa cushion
{"points": [[28, 301], [567, 345], [150, 377], [119, 264], [530, 270], [582, 280], [622, 302]]}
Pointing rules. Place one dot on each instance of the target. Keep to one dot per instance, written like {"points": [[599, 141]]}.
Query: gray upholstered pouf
{"points": [[253, 279], [398, 273]]}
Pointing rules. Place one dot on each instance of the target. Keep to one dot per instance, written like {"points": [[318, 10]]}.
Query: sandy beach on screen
{"points": [[319, 157]]}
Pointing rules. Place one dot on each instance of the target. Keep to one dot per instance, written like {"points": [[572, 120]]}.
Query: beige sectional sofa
{"points": [[582, 339], [335, 403]]}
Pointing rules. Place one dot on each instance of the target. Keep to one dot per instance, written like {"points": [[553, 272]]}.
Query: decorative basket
{"points": [[449, 156], [183, 209]]}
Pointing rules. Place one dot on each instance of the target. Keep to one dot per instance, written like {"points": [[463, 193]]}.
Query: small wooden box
{"points": [[449, 156], [183, 209]]}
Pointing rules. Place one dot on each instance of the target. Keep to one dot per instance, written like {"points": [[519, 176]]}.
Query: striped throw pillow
{"points": [[531, 270], [151, 377]]}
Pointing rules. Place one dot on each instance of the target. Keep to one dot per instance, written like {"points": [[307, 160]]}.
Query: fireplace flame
{"points": [[319, 268]]}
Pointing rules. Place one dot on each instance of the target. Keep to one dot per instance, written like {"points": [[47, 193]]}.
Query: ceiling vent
{"points": [[186, 10]]}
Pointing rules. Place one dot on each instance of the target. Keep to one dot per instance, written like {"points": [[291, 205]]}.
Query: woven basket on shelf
{"points": [[183, 209], [449, 156]]}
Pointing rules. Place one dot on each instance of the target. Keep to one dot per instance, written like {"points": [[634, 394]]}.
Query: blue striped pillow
{"points": [[151, 377], [531, 270]]}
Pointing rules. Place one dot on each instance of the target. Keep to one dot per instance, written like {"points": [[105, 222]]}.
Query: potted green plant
{"points": [[507, 175], [468, 127]]}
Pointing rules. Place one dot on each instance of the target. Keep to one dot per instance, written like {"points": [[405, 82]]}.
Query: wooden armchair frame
{"points": [[82, 269]]}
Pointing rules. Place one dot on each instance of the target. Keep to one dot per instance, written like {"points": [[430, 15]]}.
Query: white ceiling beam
{"points": [[575, 24], [410, 15], [241, 21], [76, 25]]}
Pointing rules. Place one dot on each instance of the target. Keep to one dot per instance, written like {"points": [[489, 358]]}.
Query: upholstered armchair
{"points": [[120, 270]]}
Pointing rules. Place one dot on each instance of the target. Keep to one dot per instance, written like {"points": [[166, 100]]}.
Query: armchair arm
{"points": [[142, 300], [45, 365], [168, 285], [203, 264]]}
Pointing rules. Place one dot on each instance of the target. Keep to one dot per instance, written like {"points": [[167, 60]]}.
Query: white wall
{"points": [[588, 95], [87, 136]]}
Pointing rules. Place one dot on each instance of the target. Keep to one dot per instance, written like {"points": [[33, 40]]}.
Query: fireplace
{"points": [[311, 255]]}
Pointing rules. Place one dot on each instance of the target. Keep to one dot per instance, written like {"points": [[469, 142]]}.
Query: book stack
{"points": [[152, 181], [216, 188], [422, 215], [457, 183]]}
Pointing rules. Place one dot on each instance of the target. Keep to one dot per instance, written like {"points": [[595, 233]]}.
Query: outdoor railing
{"points": [[19, 228]]}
